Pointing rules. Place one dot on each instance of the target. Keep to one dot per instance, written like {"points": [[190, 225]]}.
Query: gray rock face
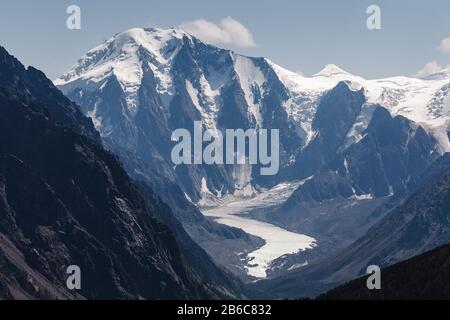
{"points": [[180, 80]]}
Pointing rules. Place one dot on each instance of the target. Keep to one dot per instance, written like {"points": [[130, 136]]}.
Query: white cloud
{"points": [[429, 69], [434, 67], [445, 45], [228, 32]]}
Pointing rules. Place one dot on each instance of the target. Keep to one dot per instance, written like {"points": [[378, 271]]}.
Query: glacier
{"points": [[278, 241]]}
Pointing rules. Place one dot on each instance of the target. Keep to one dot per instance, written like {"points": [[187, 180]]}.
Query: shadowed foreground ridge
{"points": [[423, 277]]}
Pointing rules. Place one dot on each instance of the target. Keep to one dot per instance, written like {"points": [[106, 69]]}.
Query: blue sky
{"points": [[299, 35]]}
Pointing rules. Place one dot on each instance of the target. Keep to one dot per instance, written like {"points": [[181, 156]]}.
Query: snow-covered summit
{"points": [[123, 56], [330, 70], [126, 54], [425, 101], [122, 47]]}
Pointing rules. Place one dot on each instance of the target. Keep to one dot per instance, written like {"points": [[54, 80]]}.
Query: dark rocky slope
{"points": [[64, 200], [32, 87], [425, 277]]}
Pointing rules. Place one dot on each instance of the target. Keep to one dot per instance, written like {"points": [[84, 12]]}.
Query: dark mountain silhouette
{"points": [[425, 277], [31, 87]]}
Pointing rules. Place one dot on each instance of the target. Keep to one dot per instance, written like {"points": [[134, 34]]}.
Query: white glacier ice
{"points": [[278, 241], [252, 81], [420, 100]]}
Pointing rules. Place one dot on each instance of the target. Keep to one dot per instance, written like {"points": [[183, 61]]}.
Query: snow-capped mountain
{"points": [[356, 143], [424, 101], [141, 84]]}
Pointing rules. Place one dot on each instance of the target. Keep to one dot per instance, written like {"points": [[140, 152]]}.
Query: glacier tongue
{"points": [[278, 242]]}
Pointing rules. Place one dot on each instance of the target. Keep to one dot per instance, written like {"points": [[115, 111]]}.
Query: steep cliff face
{"points": [[33, 88], [64, 201], [142, 84]]}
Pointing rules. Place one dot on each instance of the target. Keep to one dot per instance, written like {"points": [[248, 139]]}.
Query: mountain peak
{"points": [[121, 55], [148, 36], [330, 70]]}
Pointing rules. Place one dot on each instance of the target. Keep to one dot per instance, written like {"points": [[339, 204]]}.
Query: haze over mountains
{"points": [[350, 148], [143, 83], [362, 180]]}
